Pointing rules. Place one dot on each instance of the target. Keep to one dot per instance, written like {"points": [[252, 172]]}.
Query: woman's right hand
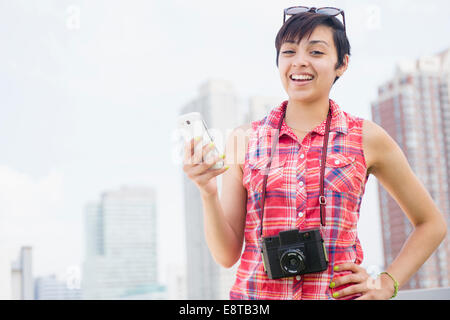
{"points": [[197, 170]]}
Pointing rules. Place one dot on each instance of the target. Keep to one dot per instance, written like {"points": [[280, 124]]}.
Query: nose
{"points": [[300, 60]]}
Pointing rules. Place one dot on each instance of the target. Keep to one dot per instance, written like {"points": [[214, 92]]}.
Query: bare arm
{"points": [[224, 219], [392, 170], [390, 166]]}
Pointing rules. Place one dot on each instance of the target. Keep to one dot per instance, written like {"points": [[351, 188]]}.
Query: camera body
{"points": [[294, 252]]}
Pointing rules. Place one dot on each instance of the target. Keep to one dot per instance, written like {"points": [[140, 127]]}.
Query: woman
{"points": [[312, 53]]}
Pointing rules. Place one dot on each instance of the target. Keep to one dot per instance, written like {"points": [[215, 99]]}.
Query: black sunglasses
{"points": [[325, 10]]}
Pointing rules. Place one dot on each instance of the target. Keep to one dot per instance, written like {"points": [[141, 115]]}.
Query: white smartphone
{"points": [[193, 125]]}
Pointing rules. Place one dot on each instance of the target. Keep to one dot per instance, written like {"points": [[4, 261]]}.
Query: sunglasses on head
{"points": [[324, 10]]}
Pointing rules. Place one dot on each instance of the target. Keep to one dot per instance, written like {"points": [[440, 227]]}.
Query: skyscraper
{"points": [[22, 276], [121, 249], [413, 107], [218, 104]]}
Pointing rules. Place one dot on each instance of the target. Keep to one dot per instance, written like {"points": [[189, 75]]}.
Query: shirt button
{"points": [[337, 162], [302, 156], [298, 277], [300, 214], [301, 183]]}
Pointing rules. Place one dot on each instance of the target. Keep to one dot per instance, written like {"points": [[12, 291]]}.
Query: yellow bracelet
{"points": [[395, 283]]}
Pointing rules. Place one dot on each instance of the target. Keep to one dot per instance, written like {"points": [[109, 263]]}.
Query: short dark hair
{"points": [[299, 25]]}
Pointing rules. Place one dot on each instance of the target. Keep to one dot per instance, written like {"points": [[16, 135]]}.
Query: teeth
{"points": [[301, 77]]}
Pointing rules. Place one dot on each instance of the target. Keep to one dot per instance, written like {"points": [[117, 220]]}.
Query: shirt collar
{"points": [[338, 121]]}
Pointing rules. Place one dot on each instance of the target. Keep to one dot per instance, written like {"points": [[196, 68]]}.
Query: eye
{"points": [[315, 52], [288, 51]]}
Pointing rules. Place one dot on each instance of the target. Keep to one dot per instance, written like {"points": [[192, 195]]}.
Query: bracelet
{"points": [[395, 284]]}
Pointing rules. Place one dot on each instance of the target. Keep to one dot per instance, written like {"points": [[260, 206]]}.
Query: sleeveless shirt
{"points": [[292, 201]]}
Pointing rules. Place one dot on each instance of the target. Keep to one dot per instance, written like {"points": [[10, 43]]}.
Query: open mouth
{"points": [[301, 78]]}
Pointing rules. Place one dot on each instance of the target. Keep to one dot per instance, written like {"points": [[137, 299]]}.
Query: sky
{"points": [[91, 90]]}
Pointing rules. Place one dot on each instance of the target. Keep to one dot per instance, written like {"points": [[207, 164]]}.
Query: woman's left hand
{"points": [[381, 288]]}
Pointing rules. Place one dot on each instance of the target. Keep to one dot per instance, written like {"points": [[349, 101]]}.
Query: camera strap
{"points": [[322, 199]]}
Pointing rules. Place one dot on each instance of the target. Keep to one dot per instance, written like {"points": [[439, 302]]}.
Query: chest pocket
{"points": [[340, 173], [276, 179]]}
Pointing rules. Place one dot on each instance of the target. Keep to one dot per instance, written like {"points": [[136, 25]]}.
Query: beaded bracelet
{"points": [[395, 284]]}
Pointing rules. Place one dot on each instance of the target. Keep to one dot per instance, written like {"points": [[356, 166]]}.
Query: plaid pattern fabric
{"points": [[292, 201]]}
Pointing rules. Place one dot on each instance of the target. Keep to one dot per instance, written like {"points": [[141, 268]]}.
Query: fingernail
{"points": [[197, 138], [222, 156], [336, 294], [336, 268], [332, 285], [211, 144], [227, 167]]}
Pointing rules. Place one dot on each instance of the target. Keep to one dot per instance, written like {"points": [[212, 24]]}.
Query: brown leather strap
{"points": [[322, 199]]}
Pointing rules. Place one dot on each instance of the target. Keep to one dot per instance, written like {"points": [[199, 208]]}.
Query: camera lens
{"points": [[292, 261]]}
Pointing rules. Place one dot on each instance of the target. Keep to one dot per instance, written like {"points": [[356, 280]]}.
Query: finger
{"points": [[204, 167], [200, 152], [206, 155], [188, 147], [350, 278], [215, 172], [209, 156], [189, 150], [348, 266], [350, 290]]}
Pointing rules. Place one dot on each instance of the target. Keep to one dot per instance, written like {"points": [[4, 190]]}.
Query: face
{"points": [[312, 63]]}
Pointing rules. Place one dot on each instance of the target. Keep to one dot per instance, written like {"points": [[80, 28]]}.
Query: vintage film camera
{"points": [[294, 252]]}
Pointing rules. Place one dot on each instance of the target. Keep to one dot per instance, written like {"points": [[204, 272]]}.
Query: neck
{"points": [[306, 116]]}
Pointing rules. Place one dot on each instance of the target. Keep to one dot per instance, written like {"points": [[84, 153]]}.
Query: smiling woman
{"points": [[295, 29], [297, 189]]}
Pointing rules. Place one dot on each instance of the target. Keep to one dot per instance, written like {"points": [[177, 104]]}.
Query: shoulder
{"points": [[377, 143], [375, 135]]}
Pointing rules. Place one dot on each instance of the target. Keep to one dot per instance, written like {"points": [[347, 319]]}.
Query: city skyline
{"points": [[121, 249], [414, 108], [83, 102], [206, 279]]}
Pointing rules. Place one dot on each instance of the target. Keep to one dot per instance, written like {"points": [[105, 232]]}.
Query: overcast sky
{"points": [[91, 89]]}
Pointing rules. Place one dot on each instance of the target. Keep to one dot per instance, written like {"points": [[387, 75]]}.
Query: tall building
{"points": [[22, 276], [51, 288], [219, 105], [121, 249], [413, 107]]}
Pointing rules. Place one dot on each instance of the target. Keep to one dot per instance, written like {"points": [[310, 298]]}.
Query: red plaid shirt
{"points": [[292, 201]]}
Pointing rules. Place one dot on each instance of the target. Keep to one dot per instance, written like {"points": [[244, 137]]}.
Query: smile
{"points": [[301, 80]]}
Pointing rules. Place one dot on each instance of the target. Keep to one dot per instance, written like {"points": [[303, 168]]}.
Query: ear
{"points": [[340, 71]]}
